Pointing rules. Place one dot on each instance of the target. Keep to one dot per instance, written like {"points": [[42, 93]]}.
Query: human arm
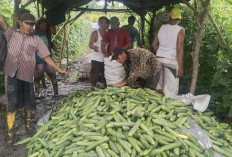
{"points": [[128, 40], [155, 42], [138, 39], [43, 52], [3, 24], [104, 42], [127, 46], [93, 38], [180, 52], [103, 48], [120, 84], [50, 62]]}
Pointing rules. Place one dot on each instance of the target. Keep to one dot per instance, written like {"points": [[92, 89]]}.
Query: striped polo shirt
{"points": [[20, 60]]}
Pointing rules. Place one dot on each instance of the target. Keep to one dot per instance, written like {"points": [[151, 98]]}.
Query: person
{"points": [[138, 63], [42, 30], [134, 34], [97, 56], [115, 37], [19, 69], [168, 44]]}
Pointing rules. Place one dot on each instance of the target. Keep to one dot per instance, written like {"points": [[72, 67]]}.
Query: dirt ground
{"points": [[66, 87]]}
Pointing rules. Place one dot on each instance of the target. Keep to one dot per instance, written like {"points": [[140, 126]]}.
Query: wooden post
{"points": [[142, 29], [151, 31], [67, 42], [62, 46], [16, 13], [38, 9]]}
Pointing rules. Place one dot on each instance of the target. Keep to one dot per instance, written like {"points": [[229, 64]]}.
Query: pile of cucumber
{"points": [[125, 122]]}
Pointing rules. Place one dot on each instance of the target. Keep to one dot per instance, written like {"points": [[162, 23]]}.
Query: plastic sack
{"points": [[199, 102], [196, 131], [114, 71], [44, 119]]}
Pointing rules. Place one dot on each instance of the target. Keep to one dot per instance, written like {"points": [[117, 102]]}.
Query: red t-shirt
{"points": [[116, 39]]}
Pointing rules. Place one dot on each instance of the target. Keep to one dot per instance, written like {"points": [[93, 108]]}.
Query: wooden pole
{"points": [[38, 9], [67, 42], [62, 46], [16, 13], [151, 31], [142, 30], [68, 21]]}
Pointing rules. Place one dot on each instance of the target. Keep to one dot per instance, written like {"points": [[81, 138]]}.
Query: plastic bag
{"points": [[199, 102], [196, 131], [44, 119], [114, 71]]}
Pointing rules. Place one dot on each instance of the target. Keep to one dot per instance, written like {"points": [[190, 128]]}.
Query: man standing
{"points": [[168, 44], [97, 57], [134, 34], [19, 68], [115, 37]]}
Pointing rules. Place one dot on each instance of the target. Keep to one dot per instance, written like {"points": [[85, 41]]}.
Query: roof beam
{"points": [[102, 10]]}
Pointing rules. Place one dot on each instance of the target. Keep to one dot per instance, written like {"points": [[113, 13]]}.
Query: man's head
{"points": [[119, 55], [103, 22], [131, 20], [175, 14], [41, 25], [114, 23], [27, 22]]}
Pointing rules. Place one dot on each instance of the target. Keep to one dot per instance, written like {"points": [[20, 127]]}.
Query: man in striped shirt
{"points": [[19, 68]]}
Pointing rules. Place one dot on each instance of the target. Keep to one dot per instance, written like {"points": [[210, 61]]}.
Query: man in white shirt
{"points": [[169, 46]]}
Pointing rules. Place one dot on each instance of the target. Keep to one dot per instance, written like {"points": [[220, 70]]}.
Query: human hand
{"points": [[180, 72], [106, 55], [118, 85], [96, 48], [63, 72]]}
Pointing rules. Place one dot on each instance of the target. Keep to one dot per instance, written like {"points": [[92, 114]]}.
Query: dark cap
{"points": [[28, 18], [116, 52]]}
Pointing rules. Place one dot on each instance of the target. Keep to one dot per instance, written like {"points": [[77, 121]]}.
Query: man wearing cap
{"points": [[140, 64], [19, 68], [168, 44], [115, 37]]}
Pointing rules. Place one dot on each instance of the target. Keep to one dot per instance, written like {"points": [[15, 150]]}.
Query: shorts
{"points": [[19, 94]]}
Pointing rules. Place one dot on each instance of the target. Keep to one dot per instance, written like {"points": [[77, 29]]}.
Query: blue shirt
{"points": [[45, 40]]}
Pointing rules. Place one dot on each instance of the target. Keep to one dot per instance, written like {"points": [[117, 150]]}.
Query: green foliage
{"points": [[78, 41], [6, 9], [215, 60]]}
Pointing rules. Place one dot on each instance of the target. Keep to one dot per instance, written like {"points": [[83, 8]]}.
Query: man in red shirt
{"points": [[115, 37]]}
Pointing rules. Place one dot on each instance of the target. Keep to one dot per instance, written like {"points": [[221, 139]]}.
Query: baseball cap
{"points": [[116, 52], [28, 18], [175, 13]]}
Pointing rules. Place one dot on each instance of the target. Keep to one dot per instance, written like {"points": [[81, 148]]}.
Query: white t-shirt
{"points": [[97, 56], [167, 37]]}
